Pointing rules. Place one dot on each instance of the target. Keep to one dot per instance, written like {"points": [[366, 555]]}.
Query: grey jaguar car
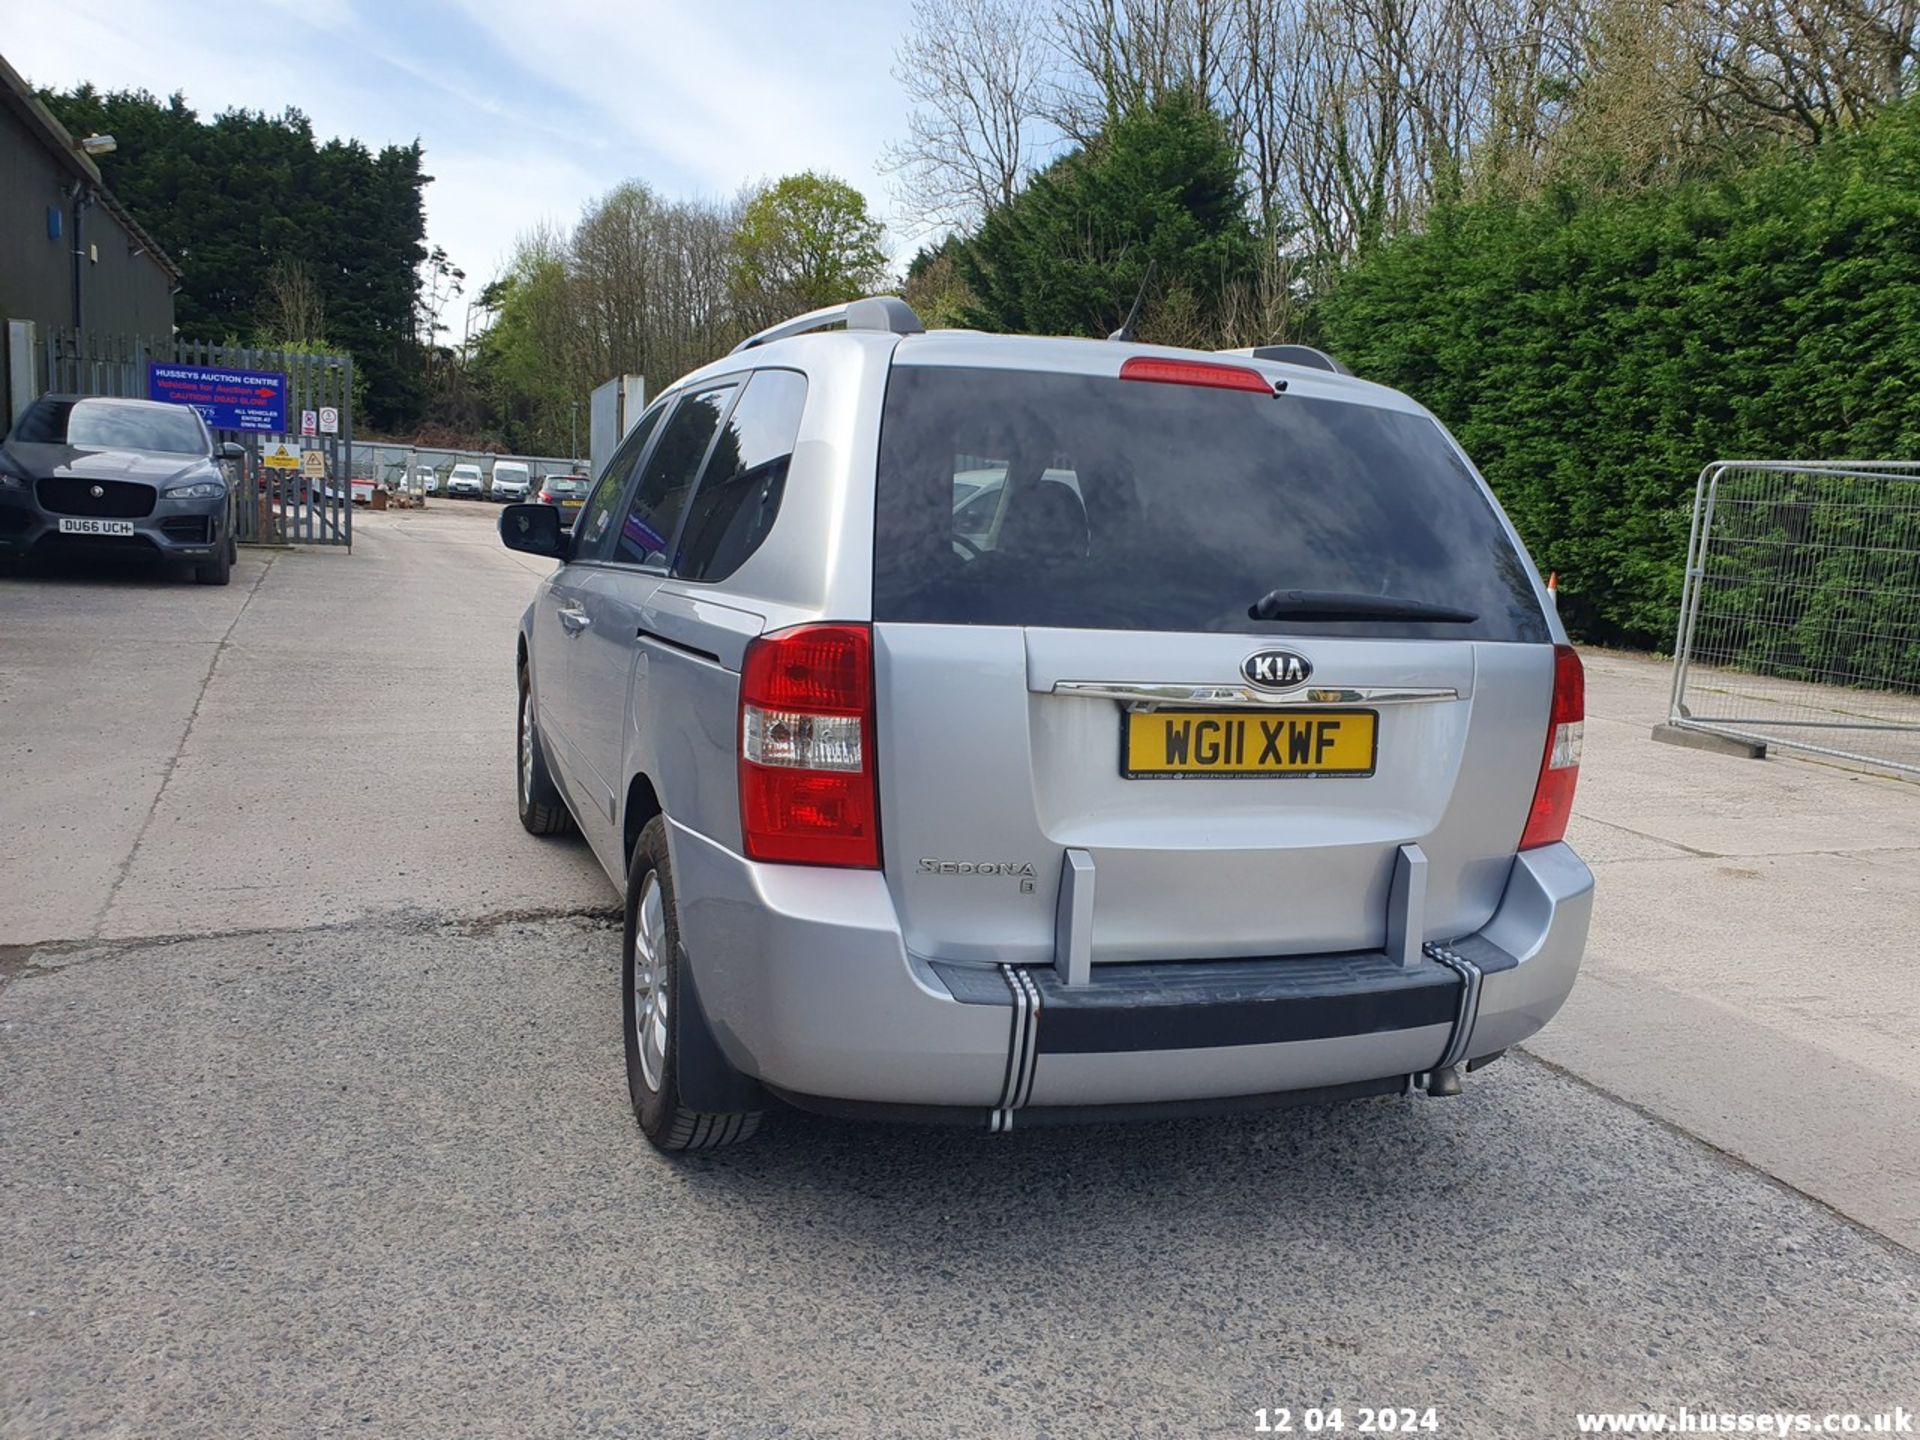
{"points": [[87, 472], [1004, 730]]}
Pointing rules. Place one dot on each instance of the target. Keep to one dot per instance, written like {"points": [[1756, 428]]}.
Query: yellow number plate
{"points": [[1243, 744]]}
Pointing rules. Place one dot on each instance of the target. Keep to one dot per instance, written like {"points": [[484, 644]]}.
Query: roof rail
{"points": [[887, 313], [1304, 355]]}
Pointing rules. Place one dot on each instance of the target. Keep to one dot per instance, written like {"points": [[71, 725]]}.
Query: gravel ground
{"points": [[352, 1155], [380, 1179]]}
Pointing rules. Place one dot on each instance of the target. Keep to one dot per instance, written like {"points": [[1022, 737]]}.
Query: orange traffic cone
{"points": [[1553, 588]]}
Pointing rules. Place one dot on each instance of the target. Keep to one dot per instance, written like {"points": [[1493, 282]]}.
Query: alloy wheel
{"points": [[526, 748], [649, 981]]}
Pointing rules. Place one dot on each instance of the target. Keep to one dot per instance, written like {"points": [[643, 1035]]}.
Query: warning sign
{"points": [[308, 422], [278, 457], [313, 464], [329, 420]]}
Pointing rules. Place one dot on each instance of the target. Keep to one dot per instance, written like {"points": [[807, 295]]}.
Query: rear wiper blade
{"points": [[1340, 605]]}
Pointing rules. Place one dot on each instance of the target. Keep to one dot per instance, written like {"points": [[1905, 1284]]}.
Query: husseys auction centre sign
{"points": [[253, 400]]}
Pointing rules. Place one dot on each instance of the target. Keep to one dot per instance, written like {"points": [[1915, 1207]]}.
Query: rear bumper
{"points": [[810, 989]]}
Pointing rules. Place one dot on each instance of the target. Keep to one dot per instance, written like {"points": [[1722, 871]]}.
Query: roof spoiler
{"points": [[1303, 355], [888, 314]]}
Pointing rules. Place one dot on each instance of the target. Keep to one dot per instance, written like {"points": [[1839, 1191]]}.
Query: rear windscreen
{"points": [[1016, 498]]}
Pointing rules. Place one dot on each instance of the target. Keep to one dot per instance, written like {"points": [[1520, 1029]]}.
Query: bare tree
{"points": [[1352, 116], [692, 318], [974, 71], [1346, 118], [1117, 54], [292, 310], [1805, 67], [1250, 95]]}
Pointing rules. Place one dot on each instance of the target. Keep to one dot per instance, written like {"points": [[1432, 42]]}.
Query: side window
{"points": [[740, 489], [593, 531], [666, 480]]}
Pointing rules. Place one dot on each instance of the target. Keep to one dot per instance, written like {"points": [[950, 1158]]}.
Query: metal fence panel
{"points": [[87, 362], [272, 506], [1800, 617], [278, 507]]}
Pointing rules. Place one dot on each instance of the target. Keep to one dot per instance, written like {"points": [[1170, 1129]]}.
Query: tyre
{"points": [[217, 571], [542, 810], [652, 1010]]}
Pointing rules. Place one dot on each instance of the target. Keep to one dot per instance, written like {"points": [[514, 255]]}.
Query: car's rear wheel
{"points": [[542, 810], [653, 1010]]}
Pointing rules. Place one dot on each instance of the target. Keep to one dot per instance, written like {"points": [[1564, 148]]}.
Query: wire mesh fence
{"points": [[1800, 619], [421, 470]]}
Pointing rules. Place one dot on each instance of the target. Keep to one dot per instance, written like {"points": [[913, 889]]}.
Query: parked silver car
{"points": [[1226, 763]]}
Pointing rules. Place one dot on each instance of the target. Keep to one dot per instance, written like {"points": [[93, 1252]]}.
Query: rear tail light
{"points": [[1196, 372], [546, 498], [807, 794], [1560, 765]]}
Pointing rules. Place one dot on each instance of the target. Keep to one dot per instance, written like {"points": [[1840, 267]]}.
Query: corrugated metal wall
{"points": [[123, 290]]}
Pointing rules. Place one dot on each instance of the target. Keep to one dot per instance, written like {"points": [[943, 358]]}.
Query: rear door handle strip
{"points": [[694, 650], [1157, 695]]}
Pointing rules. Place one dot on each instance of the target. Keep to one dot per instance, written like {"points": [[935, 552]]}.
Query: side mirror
{"points": [[534, 529], [232, 450]]}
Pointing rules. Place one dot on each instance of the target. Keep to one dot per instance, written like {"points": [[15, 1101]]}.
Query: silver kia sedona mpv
{"points": [[1003, 730]]}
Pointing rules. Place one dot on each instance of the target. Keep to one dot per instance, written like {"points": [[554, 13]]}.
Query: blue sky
{"points": [[527, 108]]}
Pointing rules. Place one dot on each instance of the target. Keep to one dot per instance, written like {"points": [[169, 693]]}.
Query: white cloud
{"points": [[526, 111], [778, 89], [490, 197]]}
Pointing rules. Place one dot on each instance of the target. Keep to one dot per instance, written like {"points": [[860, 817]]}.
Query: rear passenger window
{"points": [[646, 536], [593, 531], [740, 491]]}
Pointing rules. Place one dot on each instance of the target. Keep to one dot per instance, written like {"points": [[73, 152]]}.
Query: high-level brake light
{"points": [[1196, 372]]}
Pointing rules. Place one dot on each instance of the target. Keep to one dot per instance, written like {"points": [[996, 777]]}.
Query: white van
{"points": [[511, 480]]}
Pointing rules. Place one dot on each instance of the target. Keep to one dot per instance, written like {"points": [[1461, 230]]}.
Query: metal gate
{"points": [[1800, 617], [272, 505]]}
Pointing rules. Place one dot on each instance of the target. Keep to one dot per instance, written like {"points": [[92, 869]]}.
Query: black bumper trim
{"points": [[1483, 952], [979, 1118], [1202, 1004]]}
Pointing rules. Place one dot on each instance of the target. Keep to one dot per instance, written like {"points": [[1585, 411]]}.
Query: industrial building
{"points": [[70, 254]]}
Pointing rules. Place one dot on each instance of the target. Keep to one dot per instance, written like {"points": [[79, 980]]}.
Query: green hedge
{"points": [[1593, 353]]}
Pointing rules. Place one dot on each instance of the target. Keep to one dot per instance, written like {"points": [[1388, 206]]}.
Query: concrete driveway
{"points": [[312, 1119]]}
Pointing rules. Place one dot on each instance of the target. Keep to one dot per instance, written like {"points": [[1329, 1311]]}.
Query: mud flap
{"points": [[707, 1081]]}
